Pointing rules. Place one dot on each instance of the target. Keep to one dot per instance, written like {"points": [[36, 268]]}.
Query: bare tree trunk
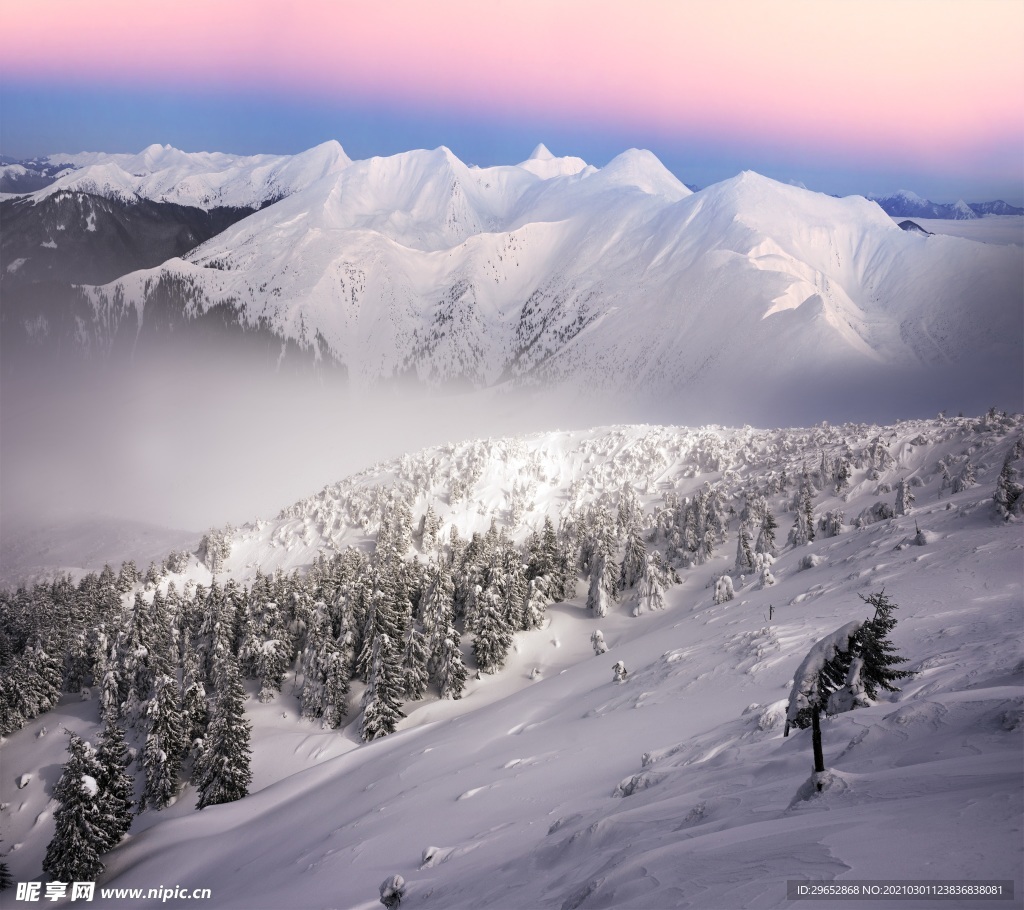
{"points": [[819, 758]]}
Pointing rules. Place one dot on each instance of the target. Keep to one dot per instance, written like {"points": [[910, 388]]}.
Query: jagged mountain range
{"points": [[419, 267], [907, 204]]}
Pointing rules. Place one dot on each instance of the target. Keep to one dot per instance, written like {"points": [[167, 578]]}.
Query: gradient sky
{"points": [[844, 96]]}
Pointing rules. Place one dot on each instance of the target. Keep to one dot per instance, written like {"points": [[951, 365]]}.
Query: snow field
{"points": [[562, 788]]}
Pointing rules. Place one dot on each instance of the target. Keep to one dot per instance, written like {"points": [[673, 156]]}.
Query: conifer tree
{"points": [[877, 652], [116, 786], [79, 836], [766, 536], [381, 706], [904, 498], [165, 745], [803, 524], [536, 604], [1008, 495], [965, 479], [195, 710], [222, 771], [414, 665], [446, 664], [653, 582], [493, 634], [744, 552], [604, 577], [5, 876], [634, 560]]}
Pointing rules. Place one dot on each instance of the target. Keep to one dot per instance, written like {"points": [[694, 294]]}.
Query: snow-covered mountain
{"points": [[551, 785], [161, 173], [907, 204], [419, 267]]}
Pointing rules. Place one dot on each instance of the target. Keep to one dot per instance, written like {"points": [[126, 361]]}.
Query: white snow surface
{"points": [[616, 279], [201, 179], [675, 788]]}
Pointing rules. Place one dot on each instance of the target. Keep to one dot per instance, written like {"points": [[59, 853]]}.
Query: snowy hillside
{"points": [[614, 279], [549, 784]]}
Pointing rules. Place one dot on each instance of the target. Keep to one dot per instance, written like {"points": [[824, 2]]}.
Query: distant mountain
{"points": [[905, 204], [161, 173]]}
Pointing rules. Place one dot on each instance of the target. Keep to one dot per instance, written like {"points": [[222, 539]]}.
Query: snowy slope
{"points": [[560, 788], [201, 179], [417, 266]]}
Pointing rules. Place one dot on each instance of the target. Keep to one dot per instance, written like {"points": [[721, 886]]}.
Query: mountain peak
{"points": [[541, 153]]}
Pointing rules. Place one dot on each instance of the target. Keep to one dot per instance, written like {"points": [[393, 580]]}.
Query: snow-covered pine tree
{"points": [[166, 745], [116, 786], [430, 525], [79, 837], [744, 552], [803, 523], [195, 710], [493, 634], [724, 589], [904, 498], [222, 772], [446, 665], [634, 560], [266, 648], [766, 535], [876, 651], [965, 479], [653, 582], [1008, 495], [598, 643], [381, 700], [536, 603], [831, 523], [843, 474], [414, 664]]}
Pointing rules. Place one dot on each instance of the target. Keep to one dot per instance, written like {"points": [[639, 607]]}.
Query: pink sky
{"points": [[940, 80]]}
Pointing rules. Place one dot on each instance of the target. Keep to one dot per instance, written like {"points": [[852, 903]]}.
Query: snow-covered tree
{"points": [[392, 890], [79, 837], [653, 582], [766, 535], [965, 479], [634, 559], [116, 786], [493, 635], [1008, 495], [845, 670], [381, 699], [724, 589], [803, 523], [831, 523], [222, 772], [536, 603], [598, 642], [166, 744], [414, 665], [744, 551], [446, 665], [904, 498], [876, 651], [604, 577]]}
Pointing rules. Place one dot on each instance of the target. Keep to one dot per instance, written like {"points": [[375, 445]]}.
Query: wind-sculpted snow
{"points": [[615, 279]]}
